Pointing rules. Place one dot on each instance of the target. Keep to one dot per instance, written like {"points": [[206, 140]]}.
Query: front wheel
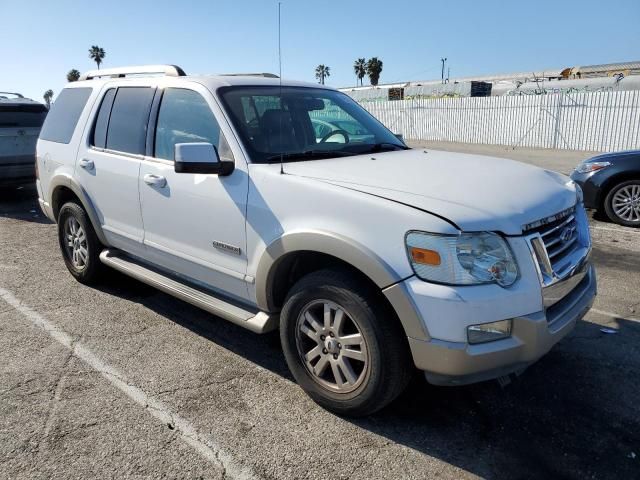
{"points": [[342, 345], [79, 244], [622, 204]]}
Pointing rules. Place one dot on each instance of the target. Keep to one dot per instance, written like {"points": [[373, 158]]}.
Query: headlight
{"points": [[465, 259], [587, 167]]}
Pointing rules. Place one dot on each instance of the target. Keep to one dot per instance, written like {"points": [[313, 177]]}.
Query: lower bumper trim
{"points": [[458, 363]]}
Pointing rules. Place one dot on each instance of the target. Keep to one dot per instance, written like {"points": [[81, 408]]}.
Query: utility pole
{"points": [[443, 60]]}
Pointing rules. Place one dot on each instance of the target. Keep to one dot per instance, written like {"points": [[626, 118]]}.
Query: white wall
{"points": [[602, 121]]}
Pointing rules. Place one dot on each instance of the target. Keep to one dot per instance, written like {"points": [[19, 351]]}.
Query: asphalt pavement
{"points": [[121, 380]]}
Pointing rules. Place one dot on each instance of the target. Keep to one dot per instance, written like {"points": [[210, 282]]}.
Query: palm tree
{"points": [[48, 95], [360, 68], [322, 72], [374, 69], [97, 54], [73, 75]]}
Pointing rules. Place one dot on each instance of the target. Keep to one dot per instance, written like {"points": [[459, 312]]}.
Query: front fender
{"points": [[350, 252]]}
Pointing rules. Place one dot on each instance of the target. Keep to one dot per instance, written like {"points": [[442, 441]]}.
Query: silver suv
{"points": [[369, 257]]}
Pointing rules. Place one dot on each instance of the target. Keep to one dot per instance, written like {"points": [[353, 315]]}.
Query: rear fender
{"points": [[64, 180]]}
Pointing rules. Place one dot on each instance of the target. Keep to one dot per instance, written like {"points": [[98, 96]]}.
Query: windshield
{"points": [[302, 123]]}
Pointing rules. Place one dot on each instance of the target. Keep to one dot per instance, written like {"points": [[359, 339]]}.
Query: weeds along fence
{"points": [[597, 121]]}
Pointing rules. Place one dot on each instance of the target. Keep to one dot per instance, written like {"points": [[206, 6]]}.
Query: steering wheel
{"points": [[335, 132]]}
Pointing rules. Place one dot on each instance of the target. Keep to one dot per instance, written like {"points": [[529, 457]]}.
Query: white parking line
{"points": [[614, 315], [202, 444], [617, 230]]}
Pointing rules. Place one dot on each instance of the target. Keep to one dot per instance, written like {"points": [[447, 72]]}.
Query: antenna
{"points": [[280, 92]]}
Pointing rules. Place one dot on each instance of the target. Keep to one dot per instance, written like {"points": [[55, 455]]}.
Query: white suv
{"points": [[370, 257]]}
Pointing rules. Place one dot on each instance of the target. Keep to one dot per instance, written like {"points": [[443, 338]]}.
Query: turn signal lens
{"points": [[425, 257]]}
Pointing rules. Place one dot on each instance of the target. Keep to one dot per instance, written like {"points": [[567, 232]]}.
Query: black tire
{"points": [[609, 207], [390, 367], [92, 268]]}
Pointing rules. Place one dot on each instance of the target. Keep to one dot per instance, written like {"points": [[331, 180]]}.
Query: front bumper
{"points": [[590, 190], [459, 363], [17, 170]]}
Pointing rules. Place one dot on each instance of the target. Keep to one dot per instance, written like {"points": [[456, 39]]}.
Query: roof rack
{"points": [[266, 75], [120, 72], [18, 95]]}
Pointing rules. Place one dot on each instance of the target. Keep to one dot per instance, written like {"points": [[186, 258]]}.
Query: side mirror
{"points": [[200, 157], [399, 136]]}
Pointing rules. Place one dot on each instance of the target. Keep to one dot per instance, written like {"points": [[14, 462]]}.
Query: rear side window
{"points": [[127, 128], [64, 114], [102, 121]]}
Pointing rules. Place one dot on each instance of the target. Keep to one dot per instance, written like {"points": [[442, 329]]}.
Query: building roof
{"points": [[522, 76], [607, 67]]}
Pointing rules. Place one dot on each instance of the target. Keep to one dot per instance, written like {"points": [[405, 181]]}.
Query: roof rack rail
{"points": [[120, 72], [266, 75], [18, 95]]}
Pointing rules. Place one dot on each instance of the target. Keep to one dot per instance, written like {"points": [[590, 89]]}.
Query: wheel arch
{"points": [[611, 182], [292, 256], [64, 189]]}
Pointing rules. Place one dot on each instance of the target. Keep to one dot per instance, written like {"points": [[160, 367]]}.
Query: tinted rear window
{"points": [[18, 116], [129, 117], [102, 121], [64, 114]]}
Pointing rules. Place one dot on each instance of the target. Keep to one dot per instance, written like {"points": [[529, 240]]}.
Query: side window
{"points": [[102, 121], [64, 114], [185, 117], [127, 129]]}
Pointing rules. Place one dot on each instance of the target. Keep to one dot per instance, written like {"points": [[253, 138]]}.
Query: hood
{"points": [[473, 191]]}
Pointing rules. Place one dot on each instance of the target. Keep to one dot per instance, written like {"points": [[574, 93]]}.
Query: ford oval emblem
{"points": [[567, 234]]}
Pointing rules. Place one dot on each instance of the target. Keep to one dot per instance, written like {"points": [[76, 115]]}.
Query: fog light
{"points": [[488, 332]]}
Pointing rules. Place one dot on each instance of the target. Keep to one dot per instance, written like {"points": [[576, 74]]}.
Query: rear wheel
{"points": [[342, 345], [79, 244], [622, 203]]}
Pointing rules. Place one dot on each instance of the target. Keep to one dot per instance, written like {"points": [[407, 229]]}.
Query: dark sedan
{"points": [[611, 184]]}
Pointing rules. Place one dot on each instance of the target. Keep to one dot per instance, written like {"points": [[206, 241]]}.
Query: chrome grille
{"points": [[560, 243]]}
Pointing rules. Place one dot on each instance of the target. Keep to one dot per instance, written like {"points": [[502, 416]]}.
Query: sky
{"points": [[40, 41]]}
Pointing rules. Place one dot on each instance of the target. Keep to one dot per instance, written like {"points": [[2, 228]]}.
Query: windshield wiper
{"points": [[382, 146], [308, 155]]}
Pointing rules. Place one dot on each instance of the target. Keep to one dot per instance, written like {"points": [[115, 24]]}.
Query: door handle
{"points": [[87, 164], [155, 180]]}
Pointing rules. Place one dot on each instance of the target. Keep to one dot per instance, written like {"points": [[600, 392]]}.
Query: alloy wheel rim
{"points": [[331, 346], [75, 241], [626, 203]]}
